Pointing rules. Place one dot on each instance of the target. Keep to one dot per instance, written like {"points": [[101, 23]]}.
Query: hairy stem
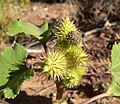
{"points": [[97, 97]]}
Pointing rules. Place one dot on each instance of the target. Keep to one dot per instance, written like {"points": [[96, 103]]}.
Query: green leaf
{"points": [[13, 70], [18, 26], [47, 33], [115, 56], [15, 81], [4, 73], [114, 88], [9, 59], [43, 27], [20, 53]]}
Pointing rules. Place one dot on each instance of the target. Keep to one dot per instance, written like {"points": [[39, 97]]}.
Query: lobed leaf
{"points": [[13, 70], [18, 26], [15, 81], [114, 88]]}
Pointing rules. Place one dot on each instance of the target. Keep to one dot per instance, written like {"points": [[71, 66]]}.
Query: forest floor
{"points": [[98, 46]]}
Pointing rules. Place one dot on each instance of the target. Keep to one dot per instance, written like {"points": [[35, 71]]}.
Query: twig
{"points": [[34, 51], [99, 29], [97, 74], [97, 97], [86, 34], [45, 89], [32, 44]]}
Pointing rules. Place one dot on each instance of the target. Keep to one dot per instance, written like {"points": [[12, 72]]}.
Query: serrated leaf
{"points": [[8, 93], [114, 88], [4, 73], [18, 26], [13, 70], [15, 81], [20, 53], [115, 58], [9, 59], [8, 56]]}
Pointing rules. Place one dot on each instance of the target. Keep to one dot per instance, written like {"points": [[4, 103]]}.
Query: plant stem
{"points": [[45, 47], [60, 90], [1, 94], [97, 97]]}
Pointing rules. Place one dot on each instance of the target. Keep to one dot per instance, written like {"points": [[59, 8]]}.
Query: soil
{"points": [[98, 46], [37, 13]]}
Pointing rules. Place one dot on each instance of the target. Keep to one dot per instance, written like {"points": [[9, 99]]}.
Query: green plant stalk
{"points": [[76, 57]]}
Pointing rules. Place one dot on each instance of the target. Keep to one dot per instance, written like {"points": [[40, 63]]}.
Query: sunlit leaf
{"points": [[114, 88], [18, 26], [13, 70]]}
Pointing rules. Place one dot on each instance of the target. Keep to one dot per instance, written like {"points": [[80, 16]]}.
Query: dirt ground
{"points": [[37, 13], [98, 46]]}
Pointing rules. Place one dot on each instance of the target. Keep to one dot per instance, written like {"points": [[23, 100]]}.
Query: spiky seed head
{"points": [[56, 65], [76, 57], [63, 27], [59, 102], [62, 44], [74, 38], [74, 77]]}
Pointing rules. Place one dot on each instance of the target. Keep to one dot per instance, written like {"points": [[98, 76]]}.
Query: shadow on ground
{"points": [[23, 98]]}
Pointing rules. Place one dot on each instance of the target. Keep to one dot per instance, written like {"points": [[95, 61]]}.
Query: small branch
{"points": [[97, 74], [97, 97], [100, 29], [104, 28], [48, 88], [34, 51], [32, 44]]}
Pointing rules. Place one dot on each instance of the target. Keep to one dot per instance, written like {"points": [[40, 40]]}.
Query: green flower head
{"points": [[64, 27], [56, 65], [74, 77], [76, 57], [68, 62]]}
